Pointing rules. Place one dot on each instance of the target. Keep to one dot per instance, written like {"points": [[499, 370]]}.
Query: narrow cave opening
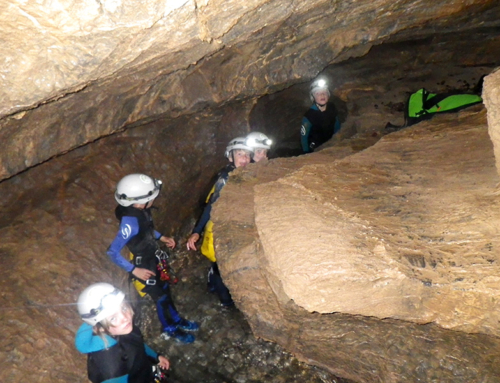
{"points": [[372, 90]]}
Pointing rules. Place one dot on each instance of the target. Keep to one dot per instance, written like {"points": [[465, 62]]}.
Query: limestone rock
{"points": [[491, 97], [58, 220], [380, 242], [78, 71]]}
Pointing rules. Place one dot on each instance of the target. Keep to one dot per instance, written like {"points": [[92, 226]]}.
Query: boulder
{"points": [[379, 265]]}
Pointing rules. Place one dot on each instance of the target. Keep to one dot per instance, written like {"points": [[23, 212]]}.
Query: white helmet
{"points": [[137, 188], [99, 301], [237, 143], [317, 85], [258, 140]]}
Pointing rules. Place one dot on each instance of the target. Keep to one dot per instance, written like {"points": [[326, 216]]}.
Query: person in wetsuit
{"points": [[321, 121], [239, 155], [115, 349], [135, 194]]}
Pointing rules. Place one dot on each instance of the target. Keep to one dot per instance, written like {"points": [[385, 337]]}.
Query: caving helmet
{"points": [[99, 301], [237, 143], [257, 140], [317, 85], [137, 188]]}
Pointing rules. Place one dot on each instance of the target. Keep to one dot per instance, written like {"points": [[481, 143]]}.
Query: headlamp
{"points": [[321, 83], [253, 141]]}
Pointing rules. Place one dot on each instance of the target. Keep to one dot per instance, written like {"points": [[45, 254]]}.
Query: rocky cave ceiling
{"points": [[90, 91], [74, 71]]}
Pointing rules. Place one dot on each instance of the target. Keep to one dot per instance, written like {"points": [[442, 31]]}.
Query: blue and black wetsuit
{"points": [[205, 224], [119, 359], [137, 232], [318, 127]]}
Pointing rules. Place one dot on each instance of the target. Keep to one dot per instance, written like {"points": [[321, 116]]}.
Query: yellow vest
{"points": [[207, 247]]}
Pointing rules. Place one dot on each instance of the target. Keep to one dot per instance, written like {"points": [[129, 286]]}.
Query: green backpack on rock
{"points": [[422, 104]]}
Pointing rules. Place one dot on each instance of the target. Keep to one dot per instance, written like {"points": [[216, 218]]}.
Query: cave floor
{"points": [[225, 349]]}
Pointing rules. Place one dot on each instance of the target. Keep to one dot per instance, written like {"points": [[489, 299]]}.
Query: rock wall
{"points": [[58, 220], [380, 265], [491, 97], [82, 71]]}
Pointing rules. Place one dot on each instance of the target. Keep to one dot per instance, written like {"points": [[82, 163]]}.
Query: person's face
{"points": [[321, 97], [240, 158], [259, 154], [121, 321]]}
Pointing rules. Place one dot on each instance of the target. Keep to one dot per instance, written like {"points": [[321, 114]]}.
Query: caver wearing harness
{"points": [[321, 121], [239, 155], [135, 195], [116, 352]]}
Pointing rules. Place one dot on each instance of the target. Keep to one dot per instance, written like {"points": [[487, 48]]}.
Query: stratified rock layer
{"points": [[74, 71], [396, 246], [491, 96], [58, 220]]}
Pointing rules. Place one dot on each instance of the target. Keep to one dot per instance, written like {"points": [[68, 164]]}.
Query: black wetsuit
{"points": [[138, 234], [123, 358], [318, 127]]}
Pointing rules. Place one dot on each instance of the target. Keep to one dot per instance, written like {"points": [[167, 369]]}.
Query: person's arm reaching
{"points": [[205, 216]]}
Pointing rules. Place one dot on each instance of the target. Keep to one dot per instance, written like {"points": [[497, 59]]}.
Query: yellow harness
{"points": [[207, 247], [137, 284]]}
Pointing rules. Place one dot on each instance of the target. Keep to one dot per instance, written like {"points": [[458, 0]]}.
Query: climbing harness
{"points": [[159, 375], [166, 273]]}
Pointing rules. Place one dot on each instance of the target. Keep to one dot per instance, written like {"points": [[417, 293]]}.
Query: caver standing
{"points": [[239, 155], [135, 194], [114, 345]]}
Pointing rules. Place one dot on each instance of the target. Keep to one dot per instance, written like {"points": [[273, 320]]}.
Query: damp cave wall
{"points": [[192, 56], [371, 91], [63, 207]]}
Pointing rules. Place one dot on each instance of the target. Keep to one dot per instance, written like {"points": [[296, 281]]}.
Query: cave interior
{"points": [[171, 116]]}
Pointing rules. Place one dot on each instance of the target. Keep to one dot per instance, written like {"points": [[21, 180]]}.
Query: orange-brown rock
{"points": [[78, 71], [160, 86], [340, 256]]}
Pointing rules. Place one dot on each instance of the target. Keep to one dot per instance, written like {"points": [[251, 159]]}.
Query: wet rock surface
{"points": [[79, 71], [376, 239], [58, 220], [225, 349]]}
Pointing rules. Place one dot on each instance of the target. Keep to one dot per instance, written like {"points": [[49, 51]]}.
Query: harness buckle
{"points": [[151, 282], [138, 260], [161, 255]]}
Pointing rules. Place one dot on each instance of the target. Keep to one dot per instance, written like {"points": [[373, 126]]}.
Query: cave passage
{"points": [[57, 217]]}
